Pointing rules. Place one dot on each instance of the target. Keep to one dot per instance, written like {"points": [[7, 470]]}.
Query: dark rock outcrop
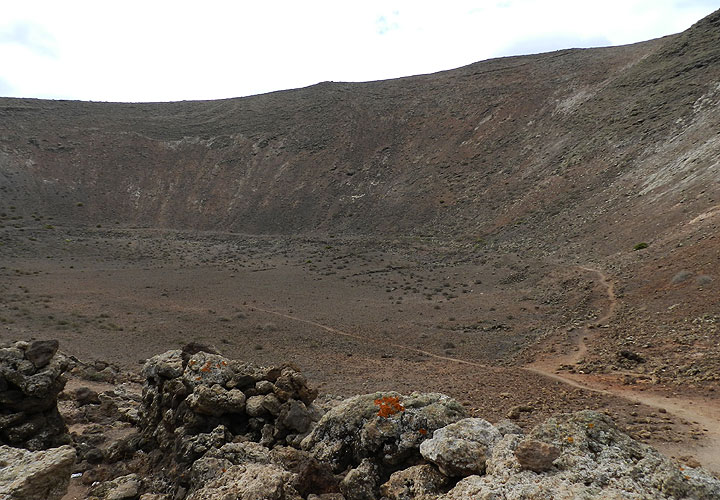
{"points": [[31, 377], [195, 402]]}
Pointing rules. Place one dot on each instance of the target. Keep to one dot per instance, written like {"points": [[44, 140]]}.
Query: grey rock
{"points": [[310, 475], [272, 404], [508, 427], [206, 469], [94, 455], [85, 396], [35, 475], [295, 416], [293, 385], [264, 387], [216, 400], [461, 448], [192, 447], [40, 352], [205, 369], [419, 482], [249, 482], [166, 365], [28, 397], [353, 430], [121, 488], [361, 483], [597, 462]]}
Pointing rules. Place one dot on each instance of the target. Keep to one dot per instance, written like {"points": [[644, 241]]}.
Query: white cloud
{"points": [[170, 50]]}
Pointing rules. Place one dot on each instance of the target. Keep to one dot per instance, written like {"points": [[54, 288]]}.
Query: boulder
{"points": [[216, 400], [461, 448], [294, 416], [249, 482], [357, 428], [40, 352], [597, 461], [35, 475]]}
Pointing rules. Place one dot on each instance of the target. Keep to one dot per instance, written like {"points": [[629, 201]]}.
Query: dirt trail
{"points": [[383, 343], [703, 412]]}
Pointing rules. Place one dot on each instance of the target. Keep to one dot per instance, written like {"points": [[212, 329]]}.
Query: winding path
{"points": [[704, 413]]}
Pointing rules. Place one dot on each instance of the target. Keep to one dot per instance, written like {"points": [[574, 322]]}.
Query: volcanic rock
{"points": [[354, 429], [28, 396], [35, 475], [419, 482], [461, 448], [597, 461], [535, 455]]}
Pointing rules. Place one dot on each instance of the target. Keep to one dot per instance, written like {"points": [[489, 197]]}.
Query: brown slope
{"points": [[468, 151], [332, 156]]}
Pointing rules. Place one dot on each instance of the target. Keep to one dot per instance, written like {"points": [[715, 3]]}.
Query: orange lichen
{"points": [[389, 405], [570, 439], [206, 368], [591, 425], [422, 431]]}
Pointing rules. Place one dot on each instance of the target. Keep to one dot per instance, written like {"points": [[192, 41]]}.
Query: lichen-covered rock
{"points": [[460, 449], [35, 475], [361, 483], [536, 455], [597, 461], [249, 482], [354, 429], [419, 482], [167, 365]]}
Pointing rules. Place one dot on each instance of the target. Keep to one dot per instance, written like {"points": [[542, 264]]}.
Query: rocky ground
{"points": [[413, 316], [193, 424]]}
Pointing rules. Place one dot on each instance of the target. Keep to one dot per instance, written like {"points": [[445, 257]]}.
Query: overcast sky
{"points": [[153, 50]]}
